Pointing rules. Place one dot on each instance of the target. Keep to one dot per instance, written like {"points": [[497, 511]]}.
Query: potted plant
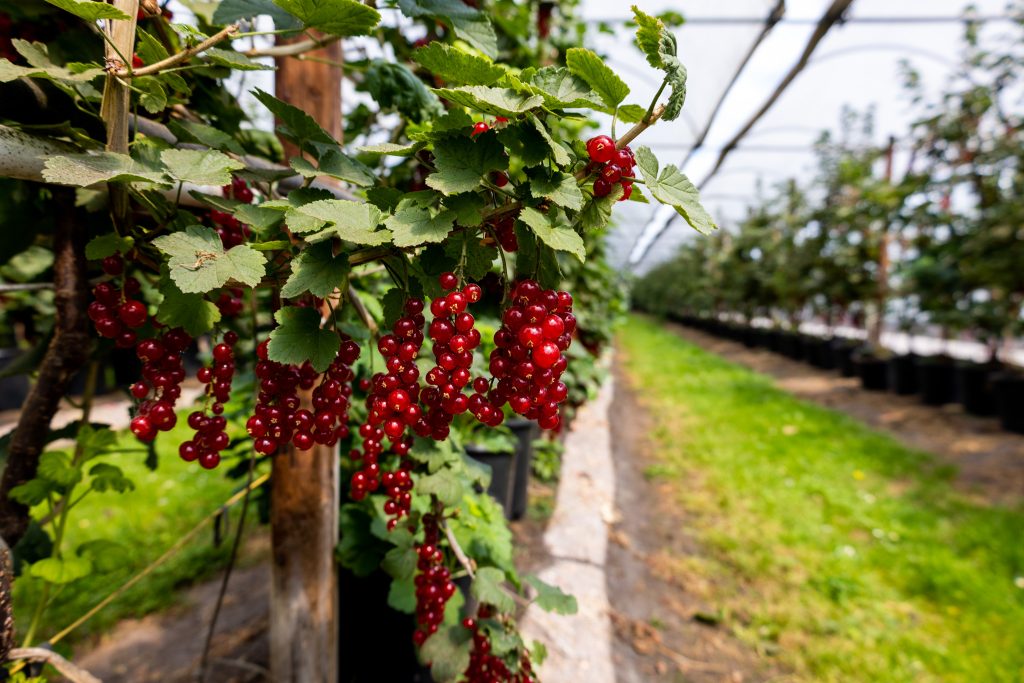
{"points": [[525, 432]]}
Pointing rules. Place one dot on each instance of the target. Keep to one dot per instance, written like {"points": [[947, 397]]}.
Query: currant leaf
{"points": [[456, 66], [336, 17], [560, 238], [202, 167], [191, 312], [560, 188], [672, 187], [198, 262], [298, 337], [318, 271], [592, 69], [414, 225], [462, 164]]}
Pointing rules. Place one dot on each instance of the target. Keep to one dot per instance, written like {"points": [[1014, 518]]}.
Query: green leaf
{"points": [[199, 264], [558, 152], [447, 652], [437, 8], [672, 187], [392, 149], [193, 131], [153, 95], [11, 72], [298, 337], [294, 124], [560, 188], [402, 596], [559, 238], [478, 32], [192, 312], [230, 11], [468, 208], [592, 69], [487, 588], [94, 440], [337, 17], [414, 225], [479, 257], [105, 555], [84, 170], [89, 10], [462, 164], [400, 563], [202, 167], [105, 476], [316, 270], [336, 164], [659, 46], [443, 484], [598, 211], [234, 60], [561, 89], [392, 303], [631, 113], [496, 101], [351, 221], [457, 66], [552, 598], [56, 467], [648, 36], [260, 219], [676, 75], [61, 570], [106, 245], [32, 492]]}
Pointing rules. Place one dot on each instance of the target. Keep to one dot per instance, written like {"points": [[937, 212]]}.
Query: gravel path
{"points": [[580, 646]]}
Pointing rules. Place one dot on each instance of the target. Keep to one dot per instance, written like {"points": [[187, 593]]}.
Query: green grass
{"points": [[166, 503], [830, 546]]}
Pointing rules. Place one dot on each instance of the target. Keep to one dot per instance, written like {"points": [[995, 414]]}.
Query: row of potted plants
{"points": [[985, 389]]}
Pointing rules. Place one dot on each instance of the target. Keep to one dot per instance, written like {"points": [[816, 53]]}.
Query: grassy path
{"points": [[830, 546]]}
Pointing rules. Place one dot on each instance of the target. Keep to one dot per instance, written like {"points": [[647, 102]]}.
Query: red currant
{"points": [[601, 148]]}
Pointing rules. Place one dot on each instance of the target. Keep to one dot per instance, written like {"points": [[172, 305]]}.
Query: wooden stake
{"points": [[304, 494]]}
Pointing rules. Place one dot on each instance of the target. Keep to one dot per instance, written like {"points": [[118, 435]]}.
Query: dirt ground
{"points": [[988, 460]]}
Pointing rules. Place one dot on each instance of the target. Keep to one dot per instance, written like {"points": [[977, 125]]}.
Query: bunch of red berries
{"points": [[484, 666], [162, 375], [113, 312], [229, 303], [275, 417], [527, 360], [331, 401], [505, 231], [454, 335], [611, 164], [392, 407], [233, 232], [211, 438], [434, 585]]}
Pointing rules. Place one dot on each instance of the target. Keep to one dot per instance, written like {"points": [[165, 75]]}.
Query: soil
{"points": [[989, 462], [662, 631]]}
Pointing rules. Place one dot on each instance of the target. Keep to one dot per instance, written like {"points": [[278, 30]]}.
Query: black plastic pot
{"points": [[842, 351], [1008, 388], [873, 372], [791, 345], [363, 654], [935, 378], [502, 474], [818, 352], [903, 374], [14, 389], [525, 432], [974, 388]]}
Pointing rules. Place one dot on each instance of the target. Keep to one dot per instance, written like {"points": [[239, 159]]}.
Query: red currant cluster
{"points": [[505, 231], [485, 667], [454, 335], [527, 360], [230, 302], [611, 164], [434, 585], [114, 314], [231, 231], [392, 407], [331, 401], [210, 438], [277, 413], [162, 374]]}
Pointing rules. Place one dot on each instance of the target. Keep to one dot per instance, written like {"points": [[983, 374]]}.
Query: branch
{"points": [[360, 307], [290, 49], [6, 606], [65, 356], [460, 554], [640, 127], [72, 672], [182, 56]]}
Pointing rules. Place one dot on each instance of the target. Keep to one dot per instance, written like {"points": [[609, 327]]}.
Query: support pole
{"points": [[304, 494]]}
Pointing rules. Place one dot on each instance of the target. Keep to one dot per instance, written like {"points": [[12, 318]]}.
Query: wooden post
{"points": [[304, 494]]}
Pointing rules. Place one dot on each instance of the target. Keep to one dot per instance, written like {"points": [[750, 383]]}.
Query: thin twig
{"points": [[182, 56], [460, 555], [290, 49], [360, 307], [72, 672]]}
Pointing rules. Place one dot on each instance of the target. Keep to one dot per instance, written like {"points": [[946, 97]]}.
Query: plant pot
{"points": [[791, 345], [13, 389], [935, 378], [818, 352], [363, 654], [903, 374], [842, 351], [1008, 388], [502, 474], [873, 372], [974, 388], [525, 432]]}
